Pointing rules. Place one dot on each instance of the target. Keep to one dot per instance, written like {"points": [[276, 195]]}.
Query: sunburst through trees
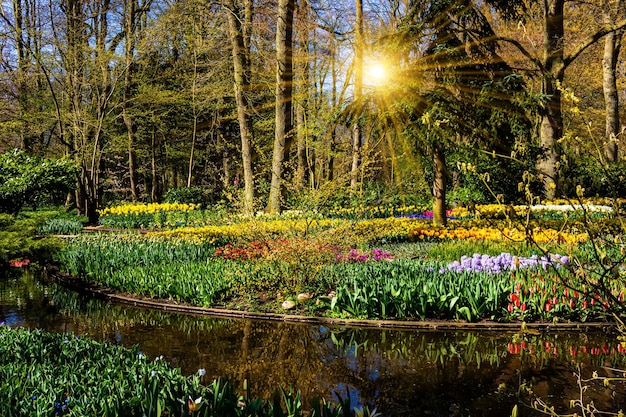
{"points": [[449, 90]]}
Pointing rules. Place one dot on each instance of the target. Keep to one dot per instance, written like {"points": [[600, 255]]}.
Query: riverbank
{"points": [[110, 295]]}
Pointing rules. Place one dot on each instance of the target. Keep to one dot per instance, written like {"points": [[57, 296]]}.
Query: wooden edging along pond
{"points": [[113, 296]]}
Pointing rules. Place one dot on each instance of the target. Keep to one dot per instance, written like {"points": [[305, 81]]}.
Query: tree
{"points": [[33, 107], [284, 90], [239, 29], [611, 10], [304, 103], [358, 91], [452, 69], [132, 11], [550, 62]]}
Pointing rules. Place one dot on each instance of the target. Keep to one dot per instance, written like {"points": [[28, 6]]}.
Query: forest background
{"points": [[277, 104]]}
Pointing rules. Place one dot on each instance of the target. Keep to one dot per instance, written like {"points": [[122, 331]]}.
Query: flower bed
{"points": [[538, 234], [366, 283], [266, 260], [559, 209], [147, 215]]}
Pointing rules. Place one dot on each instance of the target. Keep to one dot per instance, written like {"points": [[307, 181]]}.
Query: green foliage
{"points": [[194, 195], [27, 180], [44, 374], [492, 174], [60, 226], [6, 220], [177, 271], [405, 289], [18, 241], [466, 194], [335, 195], [594, 177]]}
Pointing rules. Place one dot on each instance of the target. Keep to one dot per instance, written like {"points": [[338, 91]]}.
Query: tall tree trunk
{"points": [[18, 14], [130, 27], [358, 91], [154, 191], [74, 62], [241, 70], [439, 185], [304, 100], [332, 140], [284, 86], [302, 168], [194, 130], [551, 129], [612, 47], [195, 110]]}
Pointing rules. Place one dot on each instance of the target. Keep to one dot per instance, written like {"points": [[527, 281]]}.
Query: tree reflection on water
{"points": [[398, 372]]}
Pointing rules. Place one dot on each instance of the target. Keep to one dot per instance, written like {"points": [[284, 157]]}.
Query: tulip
{"points": [[194, 405]]}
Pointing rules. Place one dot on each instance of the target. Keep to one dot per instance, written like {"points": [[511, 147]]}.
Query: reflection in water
{"points": [[401, 373]]}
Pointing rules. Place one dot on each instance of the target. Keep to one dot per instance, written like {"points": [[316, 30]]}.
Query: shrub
{"points": [[27, 180], [593, 177], [195, 195], [17, 237]]}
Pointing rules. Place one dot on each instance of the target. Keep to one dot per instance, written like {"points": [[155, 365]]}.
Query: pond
{"points": [[401, 373]]}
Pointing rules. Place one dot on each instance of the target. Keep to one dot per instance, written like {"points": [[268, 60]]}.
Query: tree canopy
{"points": [[148, 96]]}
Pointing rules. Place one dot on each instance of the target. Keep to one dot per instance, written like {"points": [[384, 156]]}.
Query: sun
{"points": [[376, 73]]}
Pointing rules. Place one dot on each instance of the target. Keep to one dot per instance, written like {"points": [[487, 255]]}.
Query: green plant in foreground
{"points": [[59, 226], [46, 374]]}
